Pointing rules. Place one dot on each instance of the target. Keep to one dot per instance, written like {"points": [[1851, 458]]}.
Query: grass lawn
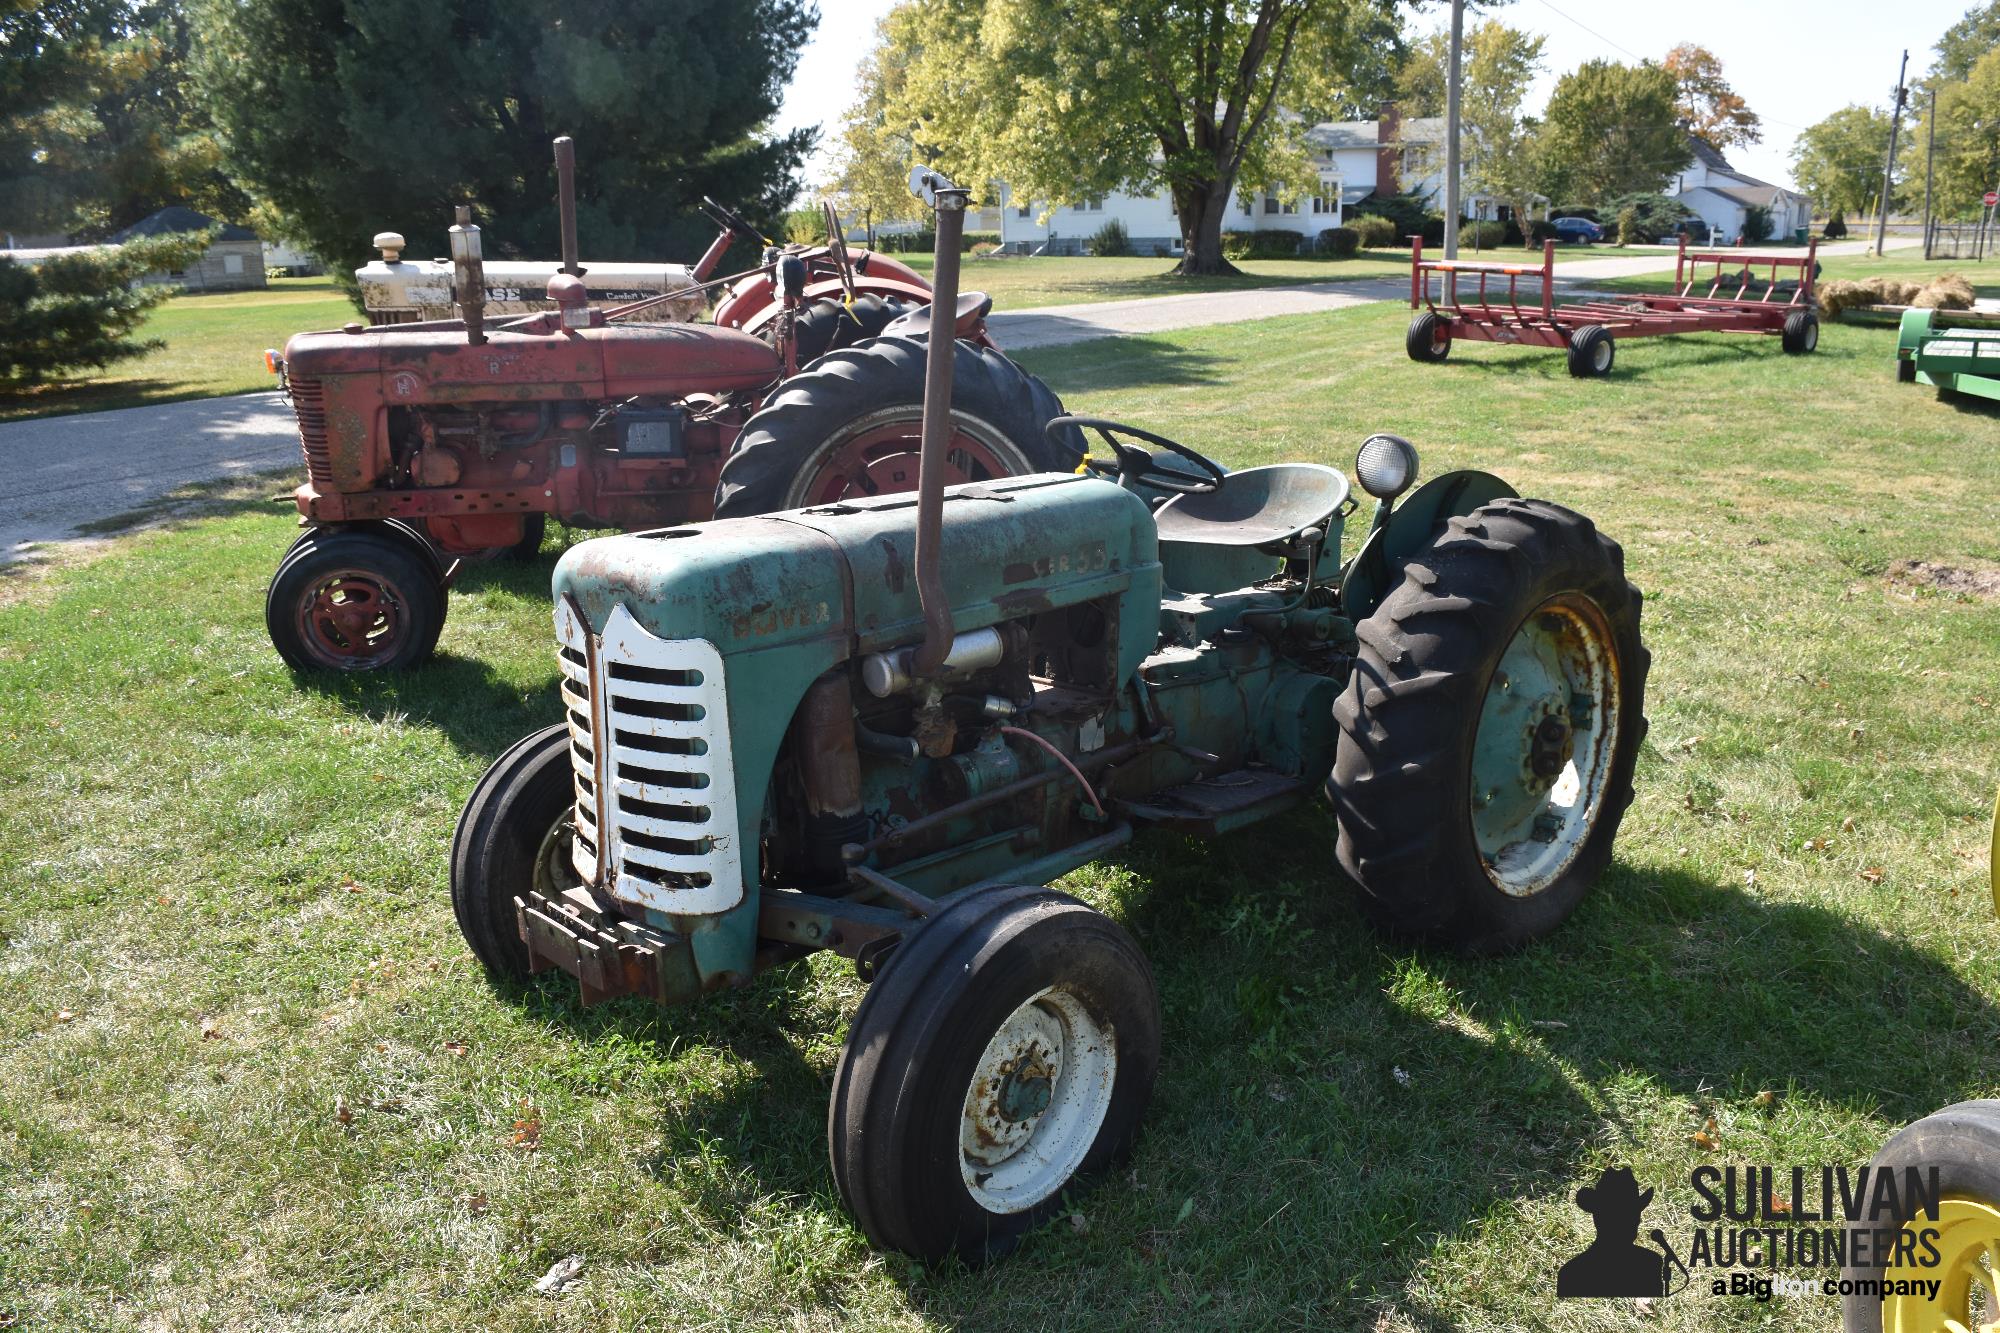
{"points": [[250, 1078], [215, 345]]}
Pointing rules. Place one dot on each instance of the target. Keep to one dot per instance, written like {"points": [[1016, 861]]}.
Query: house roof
{"points": [[175, 218], [1759, 196], [1711, 157], [1368, 133]]}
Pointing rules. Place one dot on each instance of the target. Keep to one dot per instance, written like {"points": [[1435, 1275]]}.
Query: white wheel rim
{"points": [[1812, 335], [1037, 1100], [1600, 356]]}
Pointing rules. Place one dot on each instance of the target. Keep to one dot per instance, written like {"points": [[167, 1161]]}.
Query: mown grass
{"points": [[214, 345], [249, 1077]]}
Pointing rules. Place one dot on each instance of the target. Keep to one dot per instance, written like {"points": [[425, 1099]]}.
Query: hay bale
{"points": [[1947, 291], [1839, 295]]}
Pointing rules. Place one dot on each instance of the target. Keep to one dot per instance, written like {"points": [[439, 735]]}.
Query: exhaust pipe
{"points": [[948, 201], [469, 270], [566, 202]]}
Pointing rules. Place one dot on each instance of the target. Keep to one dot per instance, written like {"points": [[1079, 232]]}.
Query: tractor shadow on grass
{"points": [[1124, 362], [477, 709]]}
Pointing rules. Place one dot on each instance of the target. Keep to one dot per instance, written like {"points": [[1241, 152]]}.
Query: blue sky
{"points": [[1794, 61]]}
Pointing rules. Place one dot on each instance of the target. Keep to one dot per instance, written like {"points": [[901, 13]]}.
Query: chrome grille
{"points": [[309, 401], [649, 741]]}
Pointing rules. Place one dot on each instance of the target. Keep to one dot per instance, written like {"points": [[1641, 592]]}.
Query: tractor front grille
{"points": [[309, 401], [649, 742]]}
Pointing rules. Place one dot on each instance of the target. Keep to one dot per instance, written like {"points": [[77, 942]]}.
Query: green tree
{"points": [[1968, 141], [1612, 129], [1964, 43], [1710, 109], [1838, 161], [1498, 148], [82, 310], [56, 61], [350, 116], [1065, 99], [876, 150]]}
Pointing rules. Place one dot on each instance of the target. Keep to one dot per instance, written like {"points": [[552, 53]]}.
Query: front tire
{"points": [[850, 426], [354, 600], [513, 836], [1007, 1049], [1963, 1143], [1490, 727]]}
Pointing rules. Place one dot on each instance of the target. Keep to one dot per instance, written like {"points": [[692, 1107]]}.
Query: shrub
{"points": [[974, 239], [1404, 211], [1654, 215], [1630, 230], [1836, 227], [1510, 233], [982, 248], [1575, 211], [1483, 235], [1374, 230], [1278, 243], [1756, 224], [1110, 239], [1541, 229], [1432, 229], [1340, 242], [80, 311]]}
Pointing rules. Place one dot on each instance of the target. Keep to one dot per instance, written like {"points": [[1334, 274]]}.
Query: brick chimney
{"points": [[1388, 150]]}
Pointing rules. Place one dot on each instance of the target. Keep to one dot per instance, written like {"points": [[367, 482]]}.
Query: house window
{"points": [[1270, 204], [232, 263], [1289, 208], [1024, 210], [1244, 200], [1093, 205]]}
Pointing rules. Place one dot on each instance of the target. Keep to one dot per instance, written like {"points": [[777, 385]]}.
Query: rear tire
{"points": [[355, 599], [828, 326], [850, 425], [1801, 333], [1592, 352], [1428, 338], [1963, 1143], [1461, 817], [1007, 1049], [511, 837]]}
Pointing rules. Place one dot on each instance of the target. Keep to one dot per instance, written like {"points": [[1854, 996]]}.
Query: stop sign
{"points": [[1992, 197]]}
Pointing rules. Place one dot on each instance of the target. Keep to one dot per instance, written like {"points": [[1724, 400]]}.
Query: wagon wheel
{"points": [[1007, 1050], [1429, 337], [1592, 352], [354, 600]]}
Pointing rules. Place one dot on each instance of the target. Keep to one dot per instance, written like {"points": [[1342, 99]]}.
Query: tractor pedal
{"points": [[1218, 803]]}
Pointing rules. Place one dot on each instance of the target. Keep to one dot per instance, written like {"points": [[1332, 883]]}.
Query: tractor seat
{"points": [[972, 307], [1255, 507]]}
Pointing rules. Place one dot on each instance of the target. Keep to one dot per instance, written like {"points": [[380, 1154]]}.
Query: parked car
{"points": [[1578, 229]]}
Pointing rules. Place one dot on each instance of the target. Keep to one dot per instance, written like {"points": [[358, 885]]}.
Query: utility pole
{"points": [[1451, 111], [1889, 167], [1930, 158]]}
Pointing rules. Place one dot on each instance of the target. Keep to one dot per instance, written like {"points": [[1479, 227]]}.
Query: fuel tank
{"points": [[421, 365]]}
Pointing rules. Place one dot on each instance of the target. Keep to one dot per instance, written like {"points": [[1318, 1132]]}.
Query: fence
{"points": [[1958, 240]]}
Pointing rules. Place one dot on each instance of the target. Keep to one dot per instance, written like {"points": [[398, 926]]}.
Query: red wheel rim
{"points": [[880, 458], [352, 619]]}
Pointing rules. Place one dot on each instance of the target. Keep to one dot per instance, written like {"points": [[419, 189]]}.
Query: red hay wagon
{"points": [[1745, 294]]}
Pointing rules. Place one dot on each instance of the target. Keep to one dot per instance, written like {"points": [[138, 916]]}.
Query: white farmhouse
{"points": [[1722, 196], [1356, 159]]}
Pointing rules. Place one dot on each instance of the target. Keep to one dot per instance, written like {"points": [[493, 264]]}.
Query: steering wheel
{"points": [[836, 248], [1136, 465]]}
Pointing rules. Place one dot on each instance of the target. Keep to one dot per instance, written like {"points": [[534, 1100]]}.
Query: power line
{"points": [[1592, 31]]}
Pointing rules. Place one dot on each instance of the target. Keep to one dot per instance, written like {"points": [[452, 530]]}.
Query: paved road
{"points": [[59, 472]]}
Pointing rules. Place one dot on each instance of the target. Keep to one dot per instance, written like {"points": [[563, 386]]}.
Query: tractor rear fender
{"points": [[1911, 334], [1411, 526], [830, 290]]}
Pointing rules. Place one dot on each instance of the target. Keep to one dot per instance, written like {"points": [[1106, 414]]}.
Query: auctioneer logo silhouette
{"points": [[1615, 1264]]}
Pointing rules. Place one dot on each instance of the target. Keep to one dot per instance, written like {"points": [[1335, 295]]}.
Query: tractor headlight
{"points": [[1386, 466]]}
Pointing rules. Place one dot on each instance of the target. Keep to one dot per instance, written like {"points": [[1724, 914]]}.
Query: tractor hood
{"points": [[1011, 547]]}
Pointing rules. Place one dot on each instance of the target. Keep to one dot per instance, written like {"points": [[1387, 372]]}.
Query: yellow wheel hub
{"points": [[1968, 1273]]}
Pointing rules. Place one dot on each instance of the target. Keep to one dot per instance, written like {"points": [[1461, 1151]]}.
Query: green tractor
{"points": [[881, 726]]}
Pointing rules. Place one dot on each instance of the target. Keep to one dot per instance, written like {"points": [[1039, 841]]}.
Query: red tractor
{"points": [[428, 444]]}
